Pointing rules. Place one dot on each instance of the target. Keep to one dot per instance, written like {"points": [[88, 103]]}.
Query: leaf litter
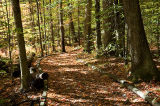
{"points": [[74, 83]]}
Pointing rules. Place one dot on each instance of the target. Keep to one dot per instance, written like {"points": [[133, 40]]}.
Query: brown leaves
{"points": [[72, 82]]}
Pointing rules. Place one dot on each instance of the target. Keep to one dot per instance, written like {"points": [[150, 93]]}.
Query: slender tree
{"points": [[98, 23], [39, 27], [78, 24], [119, 27], [158, 36], [44, 24], [31, 13], [58, 29], [32, 23], [8, 32], [108, 22], [71, 24], [9, 38], [87, 29], [51, 26], [61, 27], [25, 75], [142, 66]]}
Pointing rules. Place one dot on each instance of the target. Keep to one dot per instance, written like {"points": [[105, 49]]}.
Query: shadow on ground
{"points": [[72, 83]]}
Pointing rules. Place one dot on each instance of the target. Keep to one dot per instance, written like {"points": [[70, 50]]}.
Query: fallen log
{"points": [[155, 101]]}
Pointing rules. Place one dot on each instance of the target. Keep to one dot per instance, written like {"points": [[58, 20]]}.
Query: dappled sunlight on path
{"points": [[73, 83]]}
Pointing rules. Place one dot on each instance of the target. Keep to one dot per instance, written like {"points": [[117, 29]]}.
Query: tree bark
{"points": [[25, 75], [87, 29], [142, 66], [98, 23], [9, 39], [71, 24], [51, 27], [44, 24], [158, 36], [39, 28], [119, 27], [79, 39], [31, 13], [108, 22], [61, 27]]}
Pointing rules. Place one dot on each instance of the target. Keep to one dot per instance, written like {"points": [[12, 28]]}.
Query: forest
{"points": [[79, 53]]}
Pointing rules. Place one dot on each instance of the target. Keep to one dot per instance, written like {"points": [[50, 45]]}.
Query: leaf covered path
{"points": [[73, 83]]}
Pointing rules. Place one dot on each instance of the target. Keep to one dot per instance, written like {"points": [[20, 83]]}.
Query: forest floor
{"points": [[73, 83]]}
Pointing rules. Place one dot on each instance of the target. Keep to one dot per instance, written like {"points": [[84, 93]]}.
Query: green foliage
{"points": [[151, 17], [110, 50]]}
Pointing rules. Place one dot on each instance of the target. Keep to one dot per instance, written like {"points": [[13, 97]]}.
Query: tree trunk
{"points": [[44, 24], [51, 27], [31, 13], [126, 53], [58, 29], [39, 27], [9, 39], [119, 27], [32, 23], [79, 39], [8, 32], [25, 75], [71, 24], [62, 27], [142, 66], [108, 22], [158, 36], [87, 29], [98, 23]]}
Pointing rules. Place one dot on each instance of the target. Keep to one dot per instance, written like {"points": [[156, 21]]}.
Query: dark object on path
{"points": [[4, 66], [37, 84], [16, 73], [16, 70], [42, 76], [36, 74], [2, 63]]}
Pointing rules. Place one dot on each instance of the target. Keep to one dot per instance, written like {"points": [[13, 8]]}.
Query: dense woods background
{"points": [[128, 30], [74, 17]]}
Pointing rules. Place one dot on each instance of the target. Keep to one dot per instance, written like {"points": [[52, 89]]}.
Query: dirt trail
{"points": [[73, 83]]}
